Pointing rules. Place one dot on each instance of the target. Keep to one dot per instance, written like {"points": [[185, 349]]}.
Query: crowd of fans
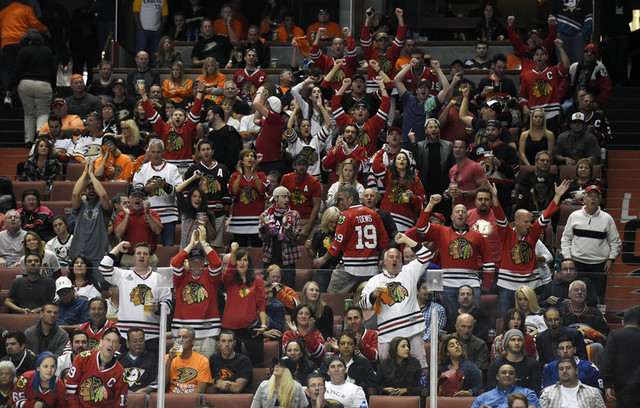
{"points": [[378, 172]]}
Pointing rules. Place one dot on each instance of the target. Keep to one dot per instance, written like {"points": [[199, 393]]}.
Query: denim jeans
{"points": [[506, 300]]}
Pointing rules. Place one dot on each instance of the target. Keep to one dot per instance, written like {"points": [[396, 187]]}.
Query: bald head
{"points": [[464, 326], [459, 216], [523, 221]]}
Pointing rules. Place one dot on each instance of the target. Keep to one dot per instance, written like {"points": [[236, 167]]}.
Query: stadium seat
{"points": [[165, 253], [115, 187], [565, 211], [304, 262], [384, 401], [20, 186], [20, 322], [302, 276], [59, 207], [225, 400], [335, 302], [175, 400], [271, 351], [453, 402], [74, 171], [136, 400], [489, 303], [256, 257], [7, 276], [259, 375], [3, 296], [61, 191]]}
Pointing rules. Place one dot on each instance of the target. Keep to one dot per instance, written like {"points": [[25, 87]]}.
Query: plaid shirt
{"points": [[588, 397], [442, 319], [290, 251]]}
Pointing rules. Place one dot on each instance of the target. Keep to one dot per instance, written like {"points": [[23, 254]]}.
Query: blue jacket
{"points": [[472, 374], [496, 398], [76, 313], [588, 374], [545, 345], [275, 313]]}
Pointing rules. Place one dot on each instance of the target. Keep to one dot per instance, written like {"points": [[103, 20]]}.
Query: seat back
{"points": [[453, 402], [7, 276], [175, 400], [19, 187], [20, 322], [74, 171], [136, 400], [384, 401], [165, 253], [335, 302], [61, 190], [259, 375], [227, 400]]}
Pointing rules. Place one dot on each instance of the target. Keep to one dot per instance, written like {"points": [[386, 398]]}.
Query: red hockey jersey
{"points": [[24, 396], [403, 213], [388, 60], [460, 252], [249, 82], [519, 265], [541, 89], [359, 235], [325, 63], [90, 386]]}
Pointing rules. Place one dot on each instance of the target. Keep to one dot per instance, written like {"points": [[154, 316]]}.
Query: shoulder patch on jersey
{"points": [[342, 219], [85, 353], [22, 382]]}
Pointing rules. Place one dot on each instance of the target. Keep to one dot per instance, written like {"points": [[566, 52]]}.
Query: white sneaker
{"points": [[7, 102]]}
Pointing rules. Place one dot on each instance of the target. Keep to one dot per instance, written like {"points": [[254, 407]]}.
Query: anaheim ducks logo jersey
{"points": [[194, 292], [132, 375], [185, 375], [460, 248]]}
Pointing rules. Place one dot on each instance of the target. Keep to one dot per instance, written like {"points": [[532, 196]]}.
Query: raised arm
{"points": [[464, 107], [400, 77]]}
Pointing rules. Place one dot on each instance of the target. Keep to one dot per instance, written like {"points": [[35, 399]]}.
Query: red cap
{"points": [[440, 216], [591, 47], [395, 129], [593, 187]]}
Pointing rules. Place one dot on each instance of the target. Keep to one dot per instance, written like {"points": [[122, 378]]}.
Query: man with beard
{"points": [[434, 158], [63, 144], [79, 341], [577, 143], [225, 139], [137, 222], [196, 289], [140, 365], [427, 303], [46, 335], [499, 160], [212, 177], [306, 194], [231, 371], [465, 176], [24, 360], [96, 377], [92, 219], [29, 293], [345, 148], [483, 220]]}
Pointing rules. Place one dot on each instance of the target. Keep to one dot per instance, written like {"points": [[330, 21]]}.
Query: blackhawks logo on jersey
{"points": [[339, 76], [194, 292], [155, 191], [248, 195], [396, 292], [310, 154], [93, 389], [363, 138], [209, 184], [395, 193], [460, 248], [248, 88], [342, 219], [541, 88], [385, 63], [174, 142], [521, 253], [139, 294], [22, 382], [297, 197], [92, 344]]}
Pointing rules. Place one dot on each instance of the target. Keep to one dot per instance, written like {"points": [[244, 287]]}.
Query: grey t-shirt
{"points": [[90, 234]]}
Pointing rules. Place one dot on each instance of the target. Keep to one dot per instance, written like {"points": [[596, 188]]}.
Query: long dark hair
{"points": [[189, 210], [396, 364], [35, 155], [72, 275], [410, 174], [302, 364], [250, 276]]}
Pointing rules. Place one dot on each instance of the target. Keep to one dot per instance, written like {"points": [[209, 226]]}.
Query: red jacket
{"points": [[325, 63], [388, 60]]}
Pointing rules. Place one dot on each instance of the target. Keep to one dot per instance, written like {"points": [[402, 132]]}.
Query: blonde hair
{"points": [[544, 123], [352, 163], [319, 309], [330, 214], [286, 390], [204, 66], [181, 79], [135, 131], [534, 307]]}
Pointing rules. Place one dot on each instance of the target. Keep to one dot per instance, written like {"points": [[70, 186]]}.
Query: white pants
{"points": [[417, 349], [36, 100]]}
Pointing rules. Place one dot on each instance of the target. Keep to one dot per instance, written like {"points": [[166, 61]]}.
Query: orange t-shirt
{"points": [[15, 20], [333, 30], [199, 371], [217, 82], [283, 36], [119, 168], [219, 27]]}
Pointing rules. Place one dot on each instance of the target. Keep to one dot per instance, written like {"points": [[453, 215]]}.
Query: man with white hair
{"points": [[392, 294], [580, 315]]}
